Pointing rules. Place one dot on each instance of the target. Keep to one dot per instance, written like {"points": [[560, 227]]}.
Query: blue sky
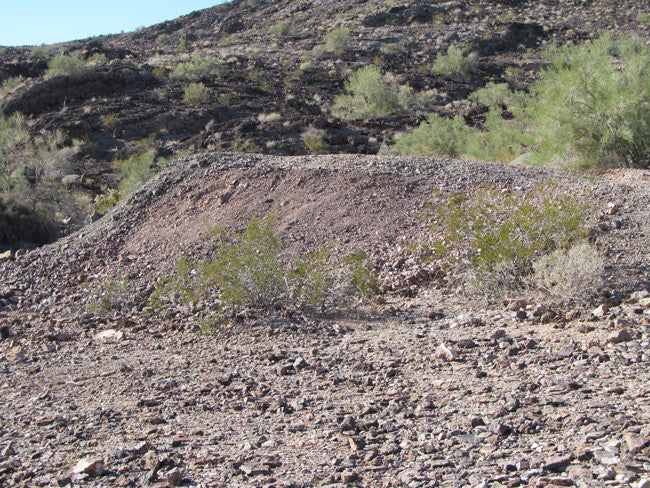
{"points": [[25, 22]]}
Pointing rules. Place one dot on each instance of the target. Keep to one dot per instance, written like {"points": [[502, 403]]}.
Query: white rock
{"points": [[109, 335], [93, 467], [445, 354]]}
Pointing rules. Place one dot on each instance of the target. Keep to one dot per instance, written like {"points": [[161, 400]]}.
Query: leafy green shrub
{"points": [[492, 237], [362, 280], [455, 63], [282, 29], [572, 274], [67, 65], [136, 170], [10, 85], [368, 95], [337, 40], [198, 69], [196, 93], [163, 39], [252, 270], [438, 137], [314, 140], [106, 200]]}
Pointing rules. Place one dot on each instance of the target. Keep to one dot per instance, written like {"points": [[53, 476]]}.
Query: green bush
{"points": [[368, 95], [107, 295], [67, 65], [252, 270], [136, 170], [196, 93], [10, 85], [337, 40], [438, 137], [589, 108], [33, 201], [280, 29], [198, 69], [315, 142], [492, 237], [455, 63]]}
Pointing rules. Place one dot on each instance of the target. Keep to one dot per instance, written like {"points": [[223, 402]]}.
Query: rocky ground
{"points": [[424, 389]]}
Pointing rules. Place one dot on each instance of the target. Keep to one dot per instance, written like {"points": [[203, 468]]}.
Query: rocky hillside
{"points": [[277, 74]]}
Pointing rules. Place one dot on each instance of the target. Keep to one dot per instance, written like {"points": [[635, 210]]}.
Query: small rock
{"points": [[643, 483], [92, 467], [436, 314], [600, 311], [5, 333], [349, 476], [6, 256], [622, 335], [445, 354], [109, 335], [175, 477], [300, 363], [558, 463]]}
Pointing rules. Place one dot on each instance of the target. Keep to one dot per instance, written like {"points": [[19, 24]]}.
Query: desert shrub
{"points": [[136, 170], [337, 40], [369, 95], [282, 28], [198, 69], [589, 108], [362, 280], [244, 146], [10, 85], [569, 274], [106, 200], [314, 139], [67, 65], [252, 270], [196, 93], [492, 237], [163, 39], [437, 137], [33, 200], [455, 63]]}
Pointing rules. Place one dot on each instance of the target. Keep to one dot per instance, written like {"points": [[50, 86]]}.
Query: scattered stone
{"points": [[109, 335], [5, 332], [622, 335], [6, 256], [445, 354], [558, 463], [92, 467], [175, 477], [601, 310]]}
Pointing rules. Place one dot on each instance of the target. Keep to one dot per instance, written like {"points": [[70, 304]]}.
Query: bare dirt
{"points": [[423, 390]]}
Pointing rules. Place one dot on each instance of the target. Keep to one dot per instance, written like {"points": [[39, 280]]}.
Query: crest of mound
{"points": [[344, 202]]}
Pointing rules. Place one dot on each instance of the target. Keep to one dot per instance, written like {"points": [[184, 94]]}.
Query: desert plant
{"points": [[196, 93], [199, 68], [10, 85], [106, 200], [369, 95], [163, 39], [67, 65], [455, 63], [282, 29], [136, 170], [337, 40], [106, 295], [251, 269], [437, 137], [572, 274], [492, 237], [314, 139]]}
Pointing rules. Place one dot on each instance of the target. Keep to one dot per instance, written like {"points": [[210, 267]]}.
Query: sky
{"points": [[36, 22]]}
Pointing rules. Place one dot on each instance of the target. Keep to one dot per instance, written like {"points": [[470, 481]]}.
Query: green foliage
{"points": [[136, 170], [106, 200], [337, 40], [643, 18], [196, 93], [368, 95], [67, 65], [315, 142], [455, 63], [109, 121], [33, 201], [494, 236], [163, 39], [252, 270], [438, 137], [590, 108], [282, 29], [244, 146], [198, 69], [10, 85]]}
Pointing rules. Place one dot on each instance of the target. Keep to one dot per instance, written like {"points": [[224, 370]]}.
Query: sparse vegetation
{"points": [[196, 93], [67, 65], [281, 29], [369, 95], [314, 139], [108, 295], [10, 85], [199, 68], [251, 269], [589, 108], [337, 40], [455, 63], [492, 237], [136, 170]]}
